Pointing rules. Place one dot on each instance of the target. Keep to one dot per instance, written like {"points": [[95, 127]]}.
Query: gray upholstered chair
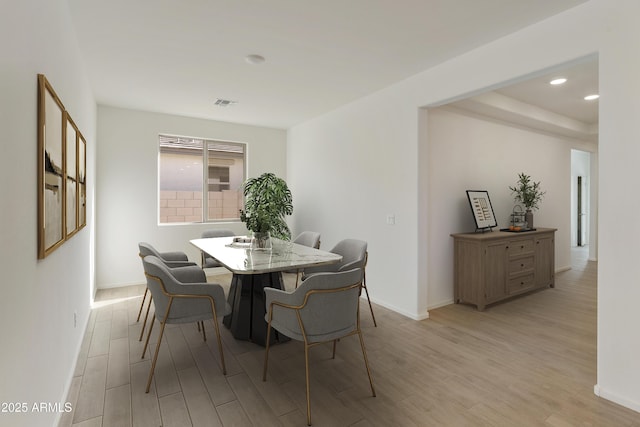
{"points": [[306, 238], [324, 308], [190, 272], [354, 255], [208, 261], [173, 259], [179, 302]]}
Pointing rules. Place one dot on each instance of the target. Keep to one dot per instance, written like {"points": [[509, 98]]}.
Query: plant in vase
{"points": [[529, 193], [267, 201]]}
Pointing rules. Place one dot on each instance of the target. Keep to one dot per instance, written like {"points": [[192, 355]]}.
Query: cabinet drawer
{"points": [[521, 265], [520, 284], [523, 246]]}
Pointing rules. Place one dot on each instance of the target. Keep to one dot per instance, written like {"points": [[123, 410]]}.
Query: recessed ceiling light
{"points": [[591, 97], [558, 81], [254, 59]]}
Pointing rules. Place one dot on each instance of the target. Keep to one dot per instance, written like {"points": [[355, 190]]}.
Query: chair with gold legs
{"points": [[324, 308], [364, 286], [354, 255], [306, 238], [173, 259], [178, 302], [207, 260]]}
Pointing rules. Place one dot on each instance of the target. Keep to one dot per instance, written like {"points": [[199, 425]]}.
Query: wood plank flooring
{"points": [[530, 361]]}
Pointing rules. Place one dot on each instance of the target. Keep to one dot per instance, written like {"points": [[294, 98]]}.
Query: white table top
{"points": [[241, 259]]}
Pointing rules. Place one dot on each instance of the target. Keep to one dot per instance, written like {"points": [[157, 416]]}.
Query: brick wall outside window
{"points": [[186, 206]]}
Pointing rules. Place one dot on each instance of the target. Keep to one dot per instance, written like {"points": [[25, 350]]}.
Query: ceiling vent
{"points": [[224, 102]]}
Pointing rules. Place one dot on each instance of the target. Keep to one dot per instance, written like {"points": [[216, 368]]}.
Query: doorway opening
{"points": [[581, 203]]}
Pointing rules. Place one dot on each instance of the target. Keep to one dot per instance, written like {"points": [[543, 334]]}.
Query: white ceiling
{"points": [[566, 99], [178, 57], [535, 103]]}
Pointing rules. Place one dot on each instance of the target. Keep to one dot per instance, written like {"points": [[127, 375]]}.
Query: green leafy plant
{"points": [[527, 192], [267, 201]]}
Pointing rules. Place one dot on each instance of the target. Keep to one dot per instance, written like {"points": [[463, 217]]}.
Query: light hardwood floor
{"points": [[530, 361]]}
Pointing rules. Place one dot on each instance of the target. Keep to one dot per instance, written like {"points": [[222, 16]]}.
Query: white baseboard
{"points": [[67, 386], [420, 316], [615, 398], [440, 304], [208, 271], [118, 285]]}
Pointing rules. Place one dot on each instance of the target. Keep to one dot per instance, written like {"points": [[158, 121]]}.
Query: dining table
{"points": [[253, 269]]}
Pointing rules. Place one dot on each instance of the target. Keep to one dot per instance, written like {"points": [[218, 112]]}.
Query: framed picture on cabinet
{"points": [[482, 210]]}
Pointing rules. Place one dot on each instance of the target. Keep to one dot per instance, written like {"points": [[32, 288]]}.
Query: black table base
{"points": [[246, 298]]}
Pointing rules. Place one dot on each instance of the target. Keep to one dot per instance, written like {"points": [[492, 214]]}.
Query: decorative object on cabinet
{"points": [[492, 267], [482, 210], [517, 221], [529, 193], [61, 172]]}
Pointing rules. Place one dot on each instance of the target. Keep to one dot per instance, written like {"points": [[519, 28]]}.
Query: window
{"points": [[200, 178]]}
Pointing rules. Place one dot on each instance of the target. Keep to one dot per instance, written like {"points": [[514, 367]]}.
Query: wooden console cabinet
{"points": [[490, 267]]}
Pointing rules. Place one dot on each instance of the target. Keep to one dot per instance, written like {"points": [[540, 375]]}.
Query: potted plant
{"points": [[267, 201], [529, 193]]}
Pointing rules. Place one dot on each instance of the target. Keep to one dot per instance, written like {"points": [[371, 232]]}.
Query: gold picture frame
{"points": [[71, 181], [61, 172], [82, 181], [50, 169]]}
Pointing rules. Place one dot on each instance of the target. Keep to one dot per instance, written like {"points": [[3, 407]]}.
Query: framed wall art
{"points": [[71, 181], [82, 181], [482, 209], [61, 172], [50, 169]]}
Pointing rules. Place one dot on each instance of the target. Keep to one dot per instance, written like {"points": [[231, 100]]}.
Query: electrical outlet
{"points": [[391, 219], [75, 319]]}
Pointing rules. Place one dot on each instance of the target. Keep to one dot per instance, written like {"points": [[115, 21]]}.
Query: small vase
{"points": [[528, 217], [261, 241]]}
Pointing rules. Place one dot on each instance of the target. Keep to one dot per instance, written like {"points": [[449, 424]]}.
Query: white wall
{"points": [[348, 172], [618, 249], [349, 148], [593, 208], [467, 152], [39, 341], [127, 185]]}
